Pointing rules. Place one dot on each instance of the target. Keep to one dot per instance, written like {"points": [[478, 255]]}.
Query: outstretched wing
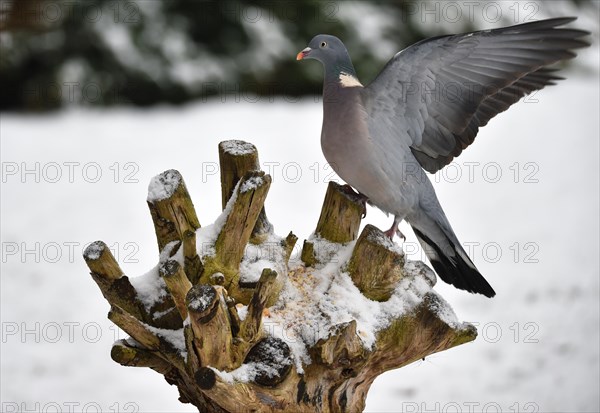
{"points": [[436, 94]]}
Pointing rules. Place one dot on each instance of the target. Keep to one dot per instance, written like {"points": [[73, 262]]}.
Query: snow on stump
{"points": [[239, 324]]}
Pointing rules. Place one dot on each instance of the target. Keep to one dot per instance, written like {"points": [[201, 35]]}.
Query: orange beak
{"points": [[303, 53]]}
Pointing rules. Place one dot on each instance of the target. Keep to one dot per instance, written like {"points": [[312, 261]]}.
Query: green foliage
{"points": [[143, 52]]}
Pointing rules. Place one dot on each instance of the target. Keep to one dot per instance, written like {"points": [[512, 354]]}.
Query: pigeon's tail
{"points": [[448, 258]]}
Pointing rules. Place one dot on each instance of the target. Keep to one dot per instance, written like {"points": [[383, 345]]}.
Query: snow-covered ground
{"points": [[524, 199]]}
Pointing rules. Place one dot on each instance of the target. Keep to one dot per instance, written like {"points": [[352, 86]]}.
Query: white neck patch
{"points": [[348, 80]]}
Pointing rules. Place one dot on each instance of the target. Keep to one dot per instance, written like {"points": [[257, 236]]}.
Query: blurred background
{"points": [[97, 97], [151, 52]]}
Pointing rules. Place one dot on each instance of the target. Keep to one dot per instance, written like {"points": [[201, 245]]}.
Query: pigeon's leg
{"points": [[362, 198], [394, 230]]}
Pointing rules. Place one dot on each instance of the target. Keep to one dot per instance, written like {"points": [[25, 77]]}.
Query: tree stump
{"points": [[242, 332]]}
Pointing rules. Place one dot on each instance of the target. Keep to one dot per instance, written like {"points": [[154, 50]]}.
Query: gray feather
{"points": [[469, 74]]}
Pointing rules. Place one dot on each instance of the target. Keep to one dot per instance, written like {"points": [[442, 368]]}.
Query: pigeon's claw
{"points": [[394, 230], [400, 234], [362, 198]]}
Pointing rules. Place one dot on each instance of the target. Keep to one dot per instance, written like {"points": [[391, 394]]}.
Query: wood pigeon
{"points": [[423, 109]]}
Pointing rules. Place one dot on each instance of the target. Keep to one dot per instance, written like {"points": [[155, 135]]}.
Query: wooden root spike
{"points": [[290, 242], [236, 159], [177, 284], [375, 267], [145, 336], [175, 218], [101, 262], [339, 220], [234, 236], [209, 318], [308, 255], [340, 215], [251, 327], [109, 277], [127, 355]]}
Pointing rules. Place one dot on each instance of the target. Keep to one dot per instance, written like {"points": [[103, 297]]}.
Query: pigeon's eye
{"points": [[323, 44]]}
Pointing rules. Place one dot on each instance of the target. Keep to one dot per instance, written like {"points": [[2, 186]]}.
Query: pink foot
{"points": [[394, 230]]}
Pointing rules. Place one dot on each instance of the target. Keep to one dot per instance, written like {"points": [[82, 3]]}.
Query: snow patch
{"points": [[158, 314], [236, 147], [273, 358], [174, 337], [167, 253], [150, 287], [206, 237], [242, 311], [325, 250], [269, 254], [163, 186], [315, 301], [252, 183], [202, 296], [419, 267], [383, 240], [94, 250]]}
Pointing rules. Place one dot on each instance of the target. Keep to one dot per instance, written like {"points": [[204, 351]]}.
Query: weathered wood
{"points": [[340, 215], [376, 282], [408, 339], [125, 354], [164, 314], [255, 371], [134, 327], [308, 254], [209, 318], [193, 361], [175, 218], [231, 397], [101, 262], [236, 231], [339, 220], [234, 317], [253, 397], [218, 279], [109, 277], [251, 327], [147, 336], [289, 243], [236, 159], [177, 283], [342, 348], [118, 291]]}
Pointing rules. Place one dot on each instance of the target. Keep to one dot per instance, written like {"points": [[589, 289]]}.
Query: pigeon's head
{"points": [[326, 49]]}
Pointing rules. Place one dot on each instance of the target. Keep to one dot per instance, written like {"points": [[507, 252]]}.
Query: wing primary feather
{"points": [[474, 76]]}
